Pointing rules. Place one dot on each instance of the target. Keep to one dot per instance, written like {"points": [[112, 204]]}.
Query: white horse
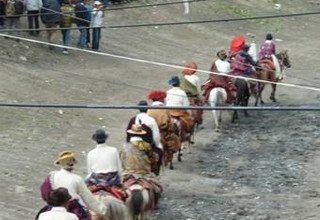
{"points": [[116, 209], [138, 199], [217, 97]]}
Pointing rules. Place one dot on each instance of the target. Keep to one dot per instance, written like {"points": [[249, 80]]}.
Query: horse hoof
{"points": [[171, 167], [217, 129], [179, 159]]}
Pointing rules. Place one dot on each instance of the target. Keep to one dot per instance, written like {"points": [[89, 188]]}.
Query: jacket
{"points": [[33, 5], [53, 6]]}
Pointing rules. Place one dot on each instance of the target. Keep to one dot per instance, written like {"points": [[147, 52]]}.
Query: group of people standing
{"points": [[56, 14]]}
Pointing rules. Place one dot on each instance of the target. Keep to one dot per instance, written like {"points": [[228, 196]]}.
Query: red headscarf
{"points": [[236, 44], [190, 69], [157, 95]]}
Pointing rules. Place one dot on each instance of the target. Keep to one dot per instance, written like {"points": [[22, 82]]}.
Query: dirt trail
{"points": [[263, 167]]}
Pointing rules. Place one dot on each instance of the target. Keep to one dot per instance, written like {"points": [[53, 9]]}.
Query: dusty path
{"points": [[249, 171], [256, 169]]}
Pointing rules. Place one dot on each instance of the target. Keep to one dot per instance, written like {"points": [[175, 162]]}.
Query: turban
{"points": [[236, 44], [190, 69], [157, 95]]}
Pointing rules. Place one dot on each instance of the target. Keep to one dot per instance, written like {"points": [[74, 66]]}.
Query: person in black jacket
{"points": [[2, 12], [51, 17], [82, 14]]}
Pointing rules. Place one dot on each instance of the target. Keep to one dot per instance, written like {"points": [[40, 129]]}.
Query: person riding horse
{"points": [[268, 48], [136, 157], [104, 167], [221, 65], [152, 135], [190, 83], [176, 97], [169, 139], [75, 186]]}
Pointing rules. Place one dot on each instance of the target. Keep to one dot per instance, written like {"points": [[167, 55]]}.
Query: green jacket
{"points": [[67, 18]]}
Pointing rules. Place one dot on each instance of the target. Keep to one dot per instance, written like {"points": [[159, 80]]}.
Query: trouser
{"points": [[2, 12], [33, 22], [82, 37], [51, 35], [12, 24], [88, 36], [96, 32], [65, 37]]}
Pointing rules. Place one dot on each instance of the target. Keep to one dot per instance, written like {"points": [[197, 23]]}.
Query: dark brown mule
{"points": [[268, 72]]}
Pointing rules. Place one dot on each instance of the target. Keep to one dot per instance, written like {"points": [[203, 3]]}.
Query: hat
{"points": [[136, 129], [97, 3], [174, 81], [222, 54], [65, 159], [245, 47], [100, 135], [157, 95], [190, 69], [269, 36], [236, 44]]}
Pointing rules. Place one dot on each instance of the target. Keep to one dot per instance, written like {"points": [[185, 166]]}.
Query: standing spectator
{"points": [[14, 9], [33, 9], [87, 4], [66, 22], [96, 23], [81, 15], [51, 19], [2, 12]]}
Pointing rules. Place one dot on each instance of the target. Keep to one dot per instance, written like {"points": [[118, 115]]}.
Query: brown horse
{"points": [[268, 72]]}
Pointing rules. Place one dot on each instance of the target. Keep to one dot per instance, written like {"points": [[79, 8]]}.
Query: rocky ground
{"points": [[262, 167]]}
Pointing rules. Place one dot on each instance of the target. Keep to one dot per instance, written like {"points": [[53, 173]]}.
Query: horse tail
{"points": [[136, 202], [243, 92]]}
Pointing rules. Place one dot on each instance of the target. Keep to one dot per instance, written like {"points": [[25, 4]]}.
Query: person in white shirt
{"points": [[103, 162], [222, 65], [58, 199], [176, 96], [81, 197], [153, 134], [96, 23]]}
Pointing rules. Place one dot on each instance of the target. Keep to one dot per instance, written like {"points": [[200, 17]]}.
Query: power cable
{"points": [[112, 8], [163, 64], [174, 23], [125, 107]]}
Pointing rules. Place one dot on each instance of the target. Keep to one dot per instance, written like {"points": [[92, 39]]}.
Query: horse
{"points": [[137, 201], [217, 97], [116, 208], [143, 196], [242, 97], [268, 72]]}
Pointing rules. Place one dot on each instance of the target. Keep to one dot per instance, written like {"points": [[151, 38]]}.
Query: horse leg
{"points": [[260, 94], [272, 96], [215, 120], [179, 155], [171, 166]]}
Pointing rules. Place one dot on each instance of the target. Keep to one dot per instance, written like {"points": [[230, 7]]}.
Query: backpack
{"points": [[19, 7]]}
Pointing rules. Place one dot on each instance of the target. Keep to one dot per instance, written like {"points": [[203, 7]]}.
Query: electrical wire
{"points": [[109, 9], [175, 23], [126, 107], [162, 64]]}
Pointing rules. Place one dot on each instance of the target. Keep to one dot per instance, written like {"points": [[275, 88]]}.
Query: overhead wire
{"points": [[175, 23], [110, 8], [163, 64], [125, 107]]}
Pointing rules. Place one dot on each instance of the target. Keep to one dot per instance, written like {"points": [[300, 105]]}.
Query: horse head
{"points": [[284, 59]]}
